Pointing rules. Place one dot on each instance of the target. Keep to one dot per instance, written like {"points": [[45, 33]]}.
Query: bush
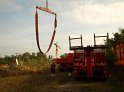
{"points": [[111, 57], [27, 62]]}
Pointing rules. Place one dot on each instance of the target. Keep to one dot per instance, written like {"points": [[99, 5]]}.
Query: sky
{"points": [[74, 17]]}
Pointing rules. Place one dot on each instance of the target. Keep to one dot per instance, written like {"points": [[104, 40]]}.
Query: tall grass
{"points": [[34, 65], [27, 63]]}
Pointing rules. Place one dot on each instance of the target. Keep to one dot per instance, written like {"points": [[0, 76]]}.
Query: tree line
{"points": [[25, 57], [118, 38]]}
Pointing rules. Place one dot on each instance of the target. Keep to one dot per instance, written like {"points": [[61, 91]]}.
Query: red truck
{"points": [[66, 62], [90, 61]]}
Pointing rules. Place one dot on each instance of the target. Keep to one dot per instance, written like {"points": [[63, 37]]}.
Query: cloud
{"points": [[97, 14], [74, 17], [9, 5]]}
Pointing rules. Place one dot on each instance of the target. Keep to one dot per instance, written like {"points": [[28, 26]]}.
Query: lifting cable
{"points": [[36, 27]]}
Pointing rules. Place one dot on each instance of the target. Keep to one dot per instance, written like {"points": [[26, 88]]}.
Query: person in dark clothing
{"points": [[53, 69], [69, 71]]}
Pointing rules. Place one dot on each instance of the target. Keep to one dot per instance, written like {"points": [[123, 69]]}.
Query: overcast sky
{"points": [[75, 18]]}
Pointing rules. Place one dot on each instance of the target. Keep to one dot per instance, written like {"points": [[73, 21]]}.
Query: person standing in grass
{"points": [[53, 69], [69, 71]]}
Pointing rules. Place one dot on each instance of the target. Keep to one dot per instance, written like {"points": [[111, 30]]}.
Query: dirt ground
{"points": [[43, 82]]}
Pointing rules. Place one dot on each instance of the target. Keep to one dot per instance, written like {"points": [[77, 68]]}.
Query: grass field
{"points": [[43, 82]]}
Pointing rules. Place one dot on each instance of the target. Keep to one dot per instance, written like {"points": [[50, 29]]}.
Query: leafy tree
{"points": [[26, 56], [113, 42], [9, 59], [1, 61], [63, 55], [118, 38], [41, 57]]}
